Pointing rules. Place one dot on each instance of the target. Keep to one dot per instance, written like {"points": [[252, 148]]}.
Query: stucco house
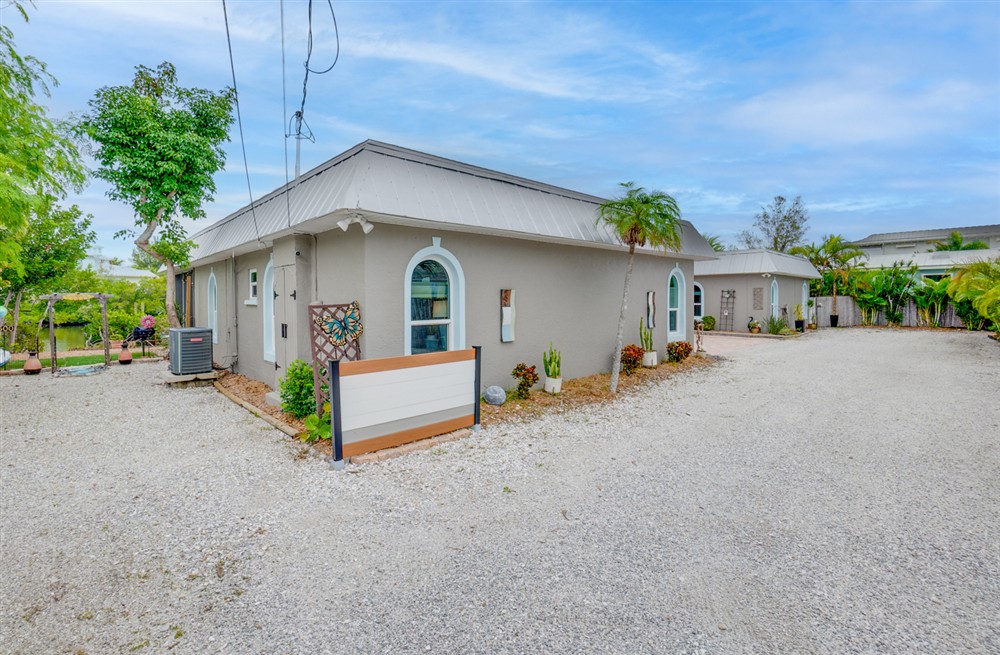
{"points": [[428, 247], [900, 244], [740, 284]]}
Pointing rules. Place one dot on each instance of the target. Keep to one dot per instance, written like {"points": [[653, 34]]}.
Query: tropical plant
{"points": [[318, 427], [158, 146], [979, 283], [297, 392], [645, 335], [798, 312], [526, 377], [39, 162], [638, 217], [678, 351], [886, 290], [956, 241], [840, 259], [780, 226], [631, 358], [775, 325], [552, 361], [931, 297], [869, 302], [715, 241], [709, 322]]}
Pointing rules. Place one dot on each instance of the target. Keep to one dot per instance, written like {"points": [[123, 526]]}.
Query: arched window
{"points": [[213, 306], [699, 301], [434, 297], [267, 315], [775, 312], [676, 295]]}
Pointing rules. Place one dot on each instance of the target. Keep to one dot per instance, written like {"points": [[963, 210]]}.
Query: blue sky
{"points": [[883, 116]]}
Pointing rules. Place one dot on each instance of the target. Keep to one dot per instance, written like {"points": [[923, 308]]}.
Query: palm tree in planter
{"points": [[639, 217], [840, 259]]}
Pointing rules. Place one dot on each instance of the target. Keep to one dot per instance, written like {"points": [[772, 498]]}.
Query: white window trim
{"points": [[775, 292], [696, 286], [213, 306], [456, 296], [805, 301], [680, 334], [267, 315], [252, 288]]}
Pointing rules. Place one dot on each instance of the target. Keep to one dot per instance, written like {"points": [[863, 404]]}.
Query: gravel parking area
{"points": [[836, 493]]}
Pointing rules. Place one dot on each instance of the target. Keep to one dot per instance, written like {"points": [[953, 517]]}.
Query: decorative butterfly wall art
{"points": [[340, 331]]}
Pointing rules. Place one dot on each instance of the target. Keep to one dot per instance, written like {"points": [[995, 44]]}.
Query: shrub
{"points": [[774, 325], [631, 358], [678, 351], [709, 322], [526, 378], [297, 393], [317, 427]]}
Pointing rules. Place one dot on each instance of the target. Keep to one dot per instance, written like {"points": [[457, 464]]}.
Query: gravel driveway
{"points": [[831, 494]]}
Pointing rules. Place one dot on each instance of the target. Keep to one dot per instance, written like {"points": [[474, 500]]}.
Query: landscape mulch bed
{"points": [[580, 391]]}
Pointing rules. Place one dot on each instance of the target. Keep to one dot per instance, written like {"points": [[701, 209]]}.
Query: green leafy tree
{"points": [[38, 162], [931, 297], [55, 243], [145, 262], [956, 241], [779, 226], [979, 283], [159, 145], [639, 217]]}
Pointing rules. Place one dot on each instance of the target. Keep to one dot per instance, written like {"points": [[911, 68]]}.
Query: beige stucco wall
{"points": [[789, 295], [567, 294]]}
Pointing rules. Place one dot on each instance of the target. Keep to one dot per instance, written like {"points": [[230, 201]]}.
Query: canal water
{"points": [[68, 337]]}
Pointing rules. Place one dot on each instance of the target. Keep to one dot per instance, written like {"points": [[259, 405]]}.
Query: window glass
{"points": [[430, 308], [697, 301], [428, 338]]}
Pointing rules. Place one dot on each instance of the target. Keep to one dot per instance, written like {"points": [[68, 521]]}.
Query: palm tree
{"points": [[715, 241], [956, 241], [639, 217], [840, 258], [979, 282]]}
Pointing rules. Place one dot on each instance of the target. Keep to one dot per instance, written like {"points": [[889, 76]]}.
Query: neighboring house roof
{"points": [[106, 269], [741, 262], [389, 184], [968, 233], [942, 259]]}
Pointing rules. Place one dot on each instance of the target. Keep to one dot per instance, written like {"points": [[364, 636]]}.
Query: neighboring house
{"points": [[931, 265], [758, 283], [426, 245], [104, 268], [896, 244]]}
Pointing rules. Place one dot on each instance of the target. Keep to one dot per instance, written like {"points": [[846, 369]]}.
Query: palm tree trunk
{"points": [[616, 361]]}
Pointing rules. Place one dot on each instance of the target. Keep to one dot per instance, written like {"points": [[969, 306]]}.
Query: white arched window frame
{"points": [[775, 311], [699, 300], [456, 296], [213, 306], [805, 301], [267, 313], [676, 306]]}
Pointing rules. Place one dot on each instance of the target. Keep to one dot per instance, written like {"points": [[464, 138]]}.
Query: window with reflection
{"points": [[430, 308]]}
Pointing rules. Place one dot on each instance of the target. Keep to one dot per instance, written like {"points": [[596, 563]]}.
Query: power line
{"points": [[299, 117], [239, 120]]}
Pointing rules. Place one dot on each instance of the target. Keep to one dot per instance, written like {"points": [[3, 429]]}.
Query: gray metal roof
{"points": [[943, 259], [389, 184], [968, 233], [741, 262]]}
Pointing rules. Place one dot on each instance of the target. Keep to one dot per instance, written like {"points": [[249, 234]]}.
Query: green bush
{"points": [[709, 322], [297, 392], [775, 325]]}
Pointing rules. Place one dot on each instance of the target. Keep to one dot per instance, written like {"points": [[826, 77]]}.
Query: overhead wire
{"points": [[299, 117], [239, 121]]}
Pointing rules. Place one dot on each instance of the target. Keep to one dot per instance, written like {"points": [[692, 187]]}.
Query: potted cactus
{"points": [[646, 339], [553, 370]]}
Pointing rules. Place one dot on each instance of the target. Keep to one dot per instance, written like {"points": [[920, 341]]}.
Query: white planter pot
{"points": [[553, 385], [649, 358]]}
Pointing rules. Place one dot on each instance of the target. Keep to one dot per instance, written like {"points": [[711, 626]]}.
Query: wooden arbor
{"points": [[100, 297]]}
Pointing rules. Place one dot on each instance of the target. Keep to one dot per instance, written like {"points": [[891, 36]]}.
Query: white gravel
{"points": [[838, 493]]}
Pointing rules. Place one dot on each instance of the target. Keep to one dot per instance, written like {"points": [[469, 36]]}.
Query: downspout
{"points": [[235, 347]]}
